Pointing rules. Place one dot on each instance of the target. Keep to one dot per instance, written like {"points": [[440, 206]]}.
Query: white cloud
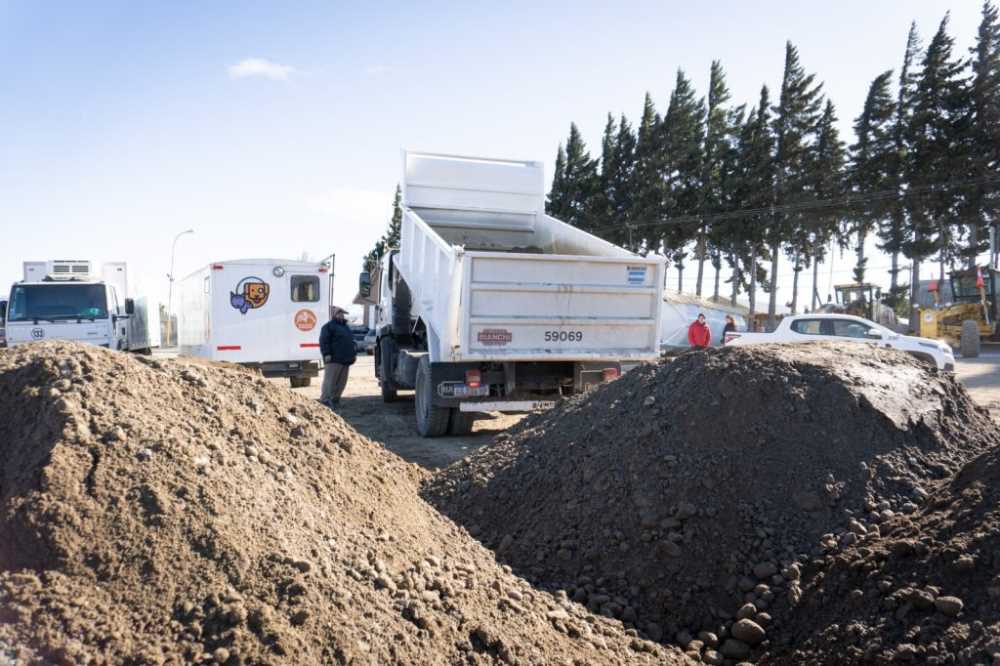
{"points": [[260, 67]]}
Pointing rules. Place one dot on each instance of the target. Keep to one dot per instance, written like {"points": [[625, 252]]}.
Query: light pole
{"points": [[170, 289]]}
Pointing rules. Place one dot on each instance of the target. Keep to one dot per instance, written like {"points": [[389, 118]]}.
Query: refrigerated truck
{"points": [[490, 304], [65, 299], [260, 313]]}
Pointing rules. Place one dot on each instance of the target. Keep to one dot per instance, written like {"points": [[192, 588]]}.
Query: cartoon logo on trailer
{"points": [[251, 293]]}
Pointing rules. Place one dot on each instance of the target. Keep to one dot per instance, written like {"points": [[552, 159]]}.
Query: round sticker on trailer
{"points": [[305, 320]]}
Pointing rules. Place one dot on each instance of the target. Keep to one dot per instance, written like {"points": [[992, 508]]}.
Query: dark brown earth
{"points": [[162, 512], [685, 497], [926, 591]]}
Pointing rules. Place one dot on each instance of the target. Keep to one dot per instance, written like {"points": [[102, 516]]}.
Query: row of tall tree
{"points": [[752, 187]]}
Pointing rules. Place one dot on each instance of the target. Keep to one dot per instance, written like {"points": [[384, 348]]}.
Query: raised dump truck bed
{"points": [[491, 304]]}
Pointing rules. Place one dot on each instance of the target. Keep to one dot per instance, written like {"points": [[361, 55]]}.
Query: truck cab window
{"points": [[305, 289]]}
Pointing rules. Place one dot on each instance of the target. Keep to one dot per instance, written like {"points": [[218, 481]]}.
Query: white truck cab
{"points": [[64, 300]]}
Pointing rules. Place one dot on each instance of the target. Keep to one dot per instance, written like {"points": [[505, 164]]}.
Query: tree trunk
{"points": [[717, 265], [700, 250], [894, 274], [815, 294], [737, 275], [796, 269], [680, 277], [914, 295], [753, 280], [772, 302], [859, 270]]}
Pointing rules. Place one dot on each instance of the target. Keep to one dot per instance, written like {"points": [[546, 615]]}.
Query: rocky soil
{"points": [[926, 591], [686, 499], [162, 512]]}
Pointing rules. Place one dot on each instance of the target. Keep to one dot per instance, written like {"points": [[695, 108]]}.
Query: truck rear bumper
{"points": [[506, 406], [285, 368]]}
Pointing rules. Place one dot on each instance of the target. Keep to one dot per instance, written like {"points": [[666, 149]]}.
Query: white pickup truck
{"points": [[848, 328]]}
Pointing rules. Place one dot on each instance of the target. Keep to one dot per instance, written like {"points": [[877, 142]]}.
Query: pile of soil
{"points": [[683, 497], [926, 591], [162, 512]]}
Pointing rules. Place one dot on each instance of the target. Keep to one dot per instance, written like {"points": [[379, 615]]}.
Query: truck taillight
{"points": [[610, 373], [217, 267], [473, 378]]}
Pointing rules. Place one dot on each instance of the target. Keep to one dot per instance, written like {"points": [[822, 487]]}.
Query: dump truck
{"points": [[66, 299], [489, 304]]}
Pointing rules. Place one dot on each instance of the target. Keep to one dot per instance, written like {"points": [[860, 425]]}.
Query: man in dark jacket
{"points": [[336, 343]]}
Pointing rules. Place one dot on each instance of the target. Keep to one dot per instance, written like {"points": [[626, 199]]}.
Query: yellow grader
{"points": [[861, 300], [970, 317]]}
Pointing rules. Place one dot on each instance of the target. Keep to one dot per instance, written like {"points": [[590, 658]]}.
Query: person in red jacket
{"points": [[699, 334]]}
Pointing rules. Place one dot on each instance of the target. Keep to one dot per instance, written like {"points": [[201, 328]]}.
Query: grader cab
{"points": [[861, 300], [970, 317]]}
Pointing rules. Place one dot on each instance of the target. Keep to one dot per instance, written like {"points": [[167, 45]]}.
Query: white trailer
{"points": [[261, 313], [66, 300], [489, 304]]}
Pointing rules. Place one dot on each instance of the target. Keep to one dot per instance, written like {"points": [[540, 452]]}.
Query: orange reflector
{"points": [[473, 378], [229, 347], [610, 373], [217, 267], [309, 345]]}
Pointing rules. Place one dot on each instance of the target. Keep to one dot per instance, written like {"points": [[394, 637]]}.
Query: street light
{"points": [[170, 290]]}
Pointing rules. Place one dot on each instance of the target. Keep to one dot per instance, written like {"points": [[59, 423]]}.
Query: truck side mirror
{"points": [[129, 306], [365, 284]]}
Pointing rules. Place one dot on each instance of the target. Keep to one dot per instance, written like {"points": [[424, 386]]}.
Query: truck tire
{"points": [[402, 303], [970, 343], [461, 422], [386, 352], [300, 382], [432, 421]]}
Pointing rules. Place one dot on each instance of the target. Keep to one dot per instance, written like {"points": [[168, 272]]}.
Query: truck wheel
{"points": [[386, 352], [969, 345], [461, 422], [300, 382], [432, 421]]}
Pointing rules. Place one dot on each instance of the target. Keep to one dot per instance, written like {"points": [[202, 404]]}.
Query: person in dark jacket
{"points": [[730, 326], [336, 343]]}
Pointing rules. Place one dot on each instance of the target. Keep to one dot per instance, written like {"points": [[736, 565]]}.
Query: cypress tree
{"points": [[871, 167], [892, 232], [796, 116], [827, 182], [756, 191], [718, 133], [935, 129], [600, 203], [983, 145], [680, 167], [621, 180], [555, 204], [579, 180], [649, 188]]}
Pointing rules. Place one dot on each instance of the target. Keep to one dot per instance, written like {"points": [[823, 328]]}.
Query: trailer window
{"points": [[305, 289]]}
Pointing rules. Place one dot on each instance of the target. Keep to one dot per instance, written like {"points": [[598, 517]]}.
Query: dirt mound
{"points": [[162, 512], [676, 495], [926, 591]]}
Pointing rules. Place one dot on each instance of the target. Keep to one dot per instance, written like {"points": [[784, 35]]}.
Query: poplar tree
{"points": [[649, 188], [715, 152], [579, 180], [555, 203]]}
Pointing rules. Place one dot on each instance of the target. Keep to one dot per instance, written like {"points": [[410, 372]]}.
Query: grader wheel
{"points": [[970, 342]]}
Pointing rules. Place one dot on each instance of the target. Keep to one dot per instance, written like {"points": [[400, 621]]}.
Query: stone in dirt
{"points": [[111, 556], [843, 428]]}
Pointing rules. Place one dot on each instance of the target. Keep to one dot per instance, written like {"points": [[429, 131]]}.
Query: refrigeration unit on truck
{"points": [[261, 313], [66, 300], [489, 304]]}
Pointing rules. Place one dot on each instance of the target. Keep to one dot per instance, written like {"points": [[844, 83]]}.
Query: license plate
{"points": [[469, 392]]}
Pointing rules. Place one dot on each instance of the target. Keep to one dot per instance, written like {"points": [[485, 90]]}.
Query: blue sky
{"points": [[124, 123]]}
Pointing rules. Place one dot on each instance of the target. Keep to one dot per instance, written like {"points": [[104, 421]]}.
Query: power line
{"points": [[846, 201]]}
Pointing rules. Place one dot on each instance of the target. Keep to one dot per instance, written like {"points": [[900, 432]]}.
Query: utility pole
{"points": [[170, 289]]}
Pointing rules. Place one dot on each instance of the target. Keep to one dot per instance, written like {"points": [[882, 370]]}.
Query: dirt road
{"points": [[393, 424]]}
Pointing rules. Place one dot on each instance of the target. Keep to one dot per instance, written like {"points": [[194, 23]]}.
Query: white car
{"points": [[848, 328]]}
